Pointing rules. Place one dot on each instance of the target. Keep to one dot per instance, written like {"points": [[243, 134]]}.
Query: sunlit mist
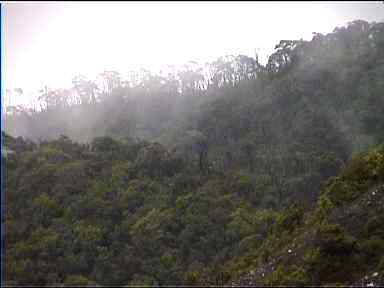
{"points": [[49, 43]]}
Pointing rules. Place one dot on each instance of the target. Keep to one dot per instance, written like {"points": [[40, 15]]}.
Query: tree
{"points": [[85, 89], [197, 143]]}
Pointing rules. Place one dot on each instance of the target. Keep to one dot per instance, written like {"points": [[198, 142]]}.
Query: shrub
{"points": [[373, 247], [333, 241], [76, 280], [290, 219], [340, 191], [381, 265], [374, 226], [295, 276]]}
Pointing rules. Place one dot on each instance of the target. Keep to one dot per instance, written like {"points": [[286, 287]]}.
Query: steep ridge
{"points": [[340, 242]]}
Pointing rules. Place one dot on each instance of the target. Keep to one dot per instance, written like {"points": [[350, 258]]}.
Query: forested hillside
{"points": [[233, 172]]}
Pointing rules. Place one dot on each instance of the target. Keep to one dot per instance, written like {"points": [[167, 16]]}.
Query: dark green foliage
{"points": [[381, 264], [296, 276], [365, 170], [101, 217], [374, 227], [373, 248], [337, 242], [290, 219], [332, 241]]}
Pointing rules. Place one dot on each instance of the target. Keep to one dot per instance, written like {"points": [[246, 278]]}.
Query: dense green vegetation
{"points": [[206, 176], [339, 242]]}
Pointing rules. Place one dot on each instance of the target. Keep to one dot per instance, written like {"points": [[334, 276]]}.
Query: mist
{"points": [[50, 43]]}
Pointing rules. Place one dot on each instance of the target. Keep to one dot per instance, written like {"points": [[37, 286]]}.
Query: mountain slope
{"points": [[190, 180], [340, 242]]}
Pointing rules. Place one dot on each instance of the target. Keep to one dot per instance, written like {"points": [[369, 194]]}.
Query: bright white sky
{"points": [[47, 43]]}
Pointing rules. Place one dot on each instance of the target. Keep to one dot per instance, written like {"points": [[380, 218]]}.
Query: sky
{"points": [[48, 43]]}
